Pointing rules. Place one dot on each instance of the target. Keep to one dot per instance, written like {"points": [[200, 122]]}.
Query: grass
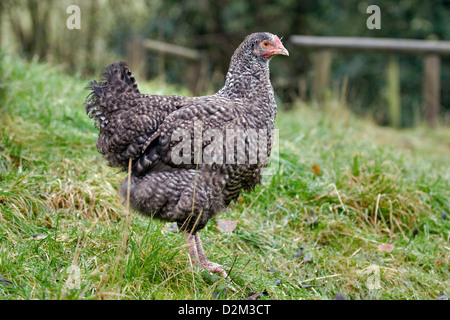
{"points": [[343, 187]]}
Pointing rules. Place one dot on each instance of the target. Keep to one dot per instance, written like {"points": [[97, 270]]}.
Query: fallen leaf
{"points": [[339, 296], [316, 169], [226, 225], [299, 252], [443, 296], [254, 295], [172, 227], [385, 247], [307, 258]]}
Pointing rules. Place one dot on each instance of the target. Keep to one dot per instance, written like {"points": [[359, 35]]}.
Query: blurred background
{"points": [[189, 43]]}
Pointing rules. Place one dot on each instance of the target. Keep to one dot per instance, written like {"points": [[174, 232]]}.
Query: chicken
{"points": [[185, 167]]}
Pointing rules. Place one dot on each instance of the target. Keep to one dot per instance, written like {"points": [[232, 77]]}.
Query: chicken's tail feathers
{"points": [[118, 73], [118, 81]]}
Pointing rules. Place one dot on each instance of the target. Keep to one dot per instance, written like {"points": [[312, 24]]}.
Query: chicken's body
{"points": [[189, 185]]}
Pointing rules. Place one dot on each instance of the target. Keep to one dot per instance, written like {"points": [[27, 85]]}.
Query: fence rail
{"points": [[407, 46], [196, 66]]}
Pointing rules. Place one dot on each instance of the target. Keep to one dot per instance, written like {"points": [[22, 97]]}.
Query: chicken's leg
{"points": [[198, 255], [208, 265], [190, 240]]}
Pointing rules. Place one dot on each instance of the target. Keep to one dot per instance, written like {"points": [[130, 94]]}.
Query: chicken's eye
{"points": [[266, 43]]}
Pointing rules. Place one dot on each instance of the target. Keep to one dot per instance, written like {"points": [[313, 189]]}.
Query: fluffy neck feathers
{"points": [[247, 76]]}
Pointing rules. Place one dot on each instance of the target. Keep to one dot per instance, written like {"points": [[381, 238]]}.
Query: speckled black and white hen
{"points": [[172, 178]]}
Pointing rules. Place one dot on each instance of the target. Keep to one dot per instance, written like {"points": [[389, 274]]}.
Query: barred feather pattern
{"points": [[140, 127]]}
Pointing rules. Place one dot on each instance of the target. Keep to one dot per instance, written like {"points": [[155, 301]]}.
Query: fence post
{"points": [[322, 65], [393, 95], [135, 53], [431, 88]]}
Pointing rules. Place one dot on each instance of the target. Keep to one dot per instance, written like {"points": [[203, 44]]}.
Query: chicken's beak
{"points": [[280, 49]]}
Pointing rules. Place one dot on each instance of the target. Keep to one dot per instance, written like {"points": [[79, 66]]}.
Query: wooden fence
{"points": [[432, 51], [196, 67]]}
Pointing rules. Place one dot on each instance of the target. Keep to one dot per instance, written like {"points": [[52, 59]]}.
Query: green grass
{"points": [[65, 234]]}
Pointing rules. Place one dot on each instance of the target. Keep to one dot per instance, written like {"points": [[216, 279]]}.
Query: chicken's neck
{"points": [[243, 80], [250, 82]]}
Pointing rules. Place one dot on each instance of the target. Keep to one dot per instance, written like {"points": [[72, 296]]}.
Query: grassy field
{"points": [[352, 208]]}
